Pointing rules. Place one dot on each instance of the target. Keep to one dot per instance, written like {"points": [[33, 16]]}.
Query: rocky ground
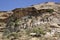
{"points": [[32, 23]]}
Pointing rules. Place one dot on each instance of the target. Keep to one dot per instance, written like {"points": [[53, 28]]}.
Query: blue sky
{"points": [[12, 4]]}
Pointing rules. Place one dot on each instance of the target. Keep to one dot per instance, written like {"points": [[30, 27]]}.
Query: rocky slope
{"points": [[37, 22]]}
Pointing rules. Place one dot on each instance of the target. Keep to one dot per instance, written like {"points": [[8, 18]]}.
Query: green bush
{"points": [[38, 31], [46, 10], [14, 34], [35, 30], [50, 10]]}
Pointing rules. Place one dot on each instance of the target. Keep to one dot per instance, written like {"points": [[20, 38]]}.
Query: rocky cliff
{"points": [[37, 22]]}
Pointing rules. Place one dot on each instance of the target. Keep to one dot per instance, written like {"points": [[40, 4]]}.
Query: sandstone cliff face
{"points": [[38, 22]]}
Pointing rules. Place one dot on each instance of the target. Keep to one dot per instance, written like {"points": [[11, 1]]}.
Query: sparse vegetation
{"points": [[31, 24], [38, 31], [50, 10]]}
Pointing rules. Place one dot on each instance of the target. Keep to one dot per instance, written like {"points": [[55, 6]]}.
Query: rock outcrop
{"points": [[38, 22]]}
